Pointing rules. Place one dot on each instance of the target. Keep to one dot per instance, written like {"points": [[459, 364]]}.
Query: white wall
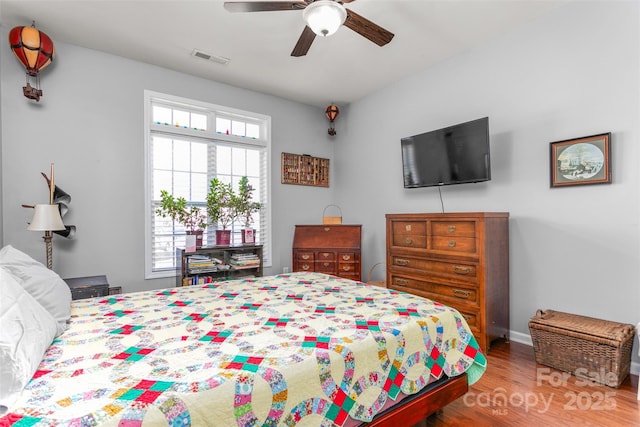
{"points": [[89, 122], [574, 73]]}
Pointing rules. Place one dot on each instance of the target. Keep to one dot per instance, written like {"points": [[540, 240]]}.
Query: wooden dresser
{"points": [[328, 248], [458, 259]]}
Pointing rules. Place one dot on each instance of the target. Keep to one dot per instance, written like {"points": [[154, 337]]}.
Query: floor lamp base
{"points": [[49, 249]]}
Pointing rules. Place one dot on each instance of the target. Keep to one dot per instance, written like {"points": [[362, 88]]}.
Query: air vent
{"points": [[209, 57]]}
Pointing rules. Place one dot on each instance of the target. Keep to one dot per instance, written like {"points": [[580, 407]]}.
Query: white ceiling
{"points": [[339, 69]]}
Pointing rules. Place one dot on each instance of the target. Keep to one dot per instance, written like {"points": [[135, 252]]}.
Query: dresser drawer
{"points": [[462, 271], [454, 244], [305, 256], [325, 256], [347, 267], [445, 293], [305, 266], [453, 228], [472, 320], [347, 257], [471, 313], [410, 241], [326, 267], [415, 228], [410, 234]]}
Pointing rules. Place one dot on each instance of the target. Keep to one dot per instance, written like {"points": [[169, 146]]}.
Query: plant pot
{"points": [[198, 234], [223, 237], [248, 235]]}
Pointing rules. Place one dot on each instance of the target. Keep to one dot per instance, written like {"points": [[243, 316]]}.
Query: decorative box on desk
{"points": [[589, 348], [88, 287]]}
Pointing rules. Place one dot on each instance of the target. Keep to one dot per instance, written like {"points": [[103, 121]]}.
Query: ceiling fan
{"points": [[323, 18]]}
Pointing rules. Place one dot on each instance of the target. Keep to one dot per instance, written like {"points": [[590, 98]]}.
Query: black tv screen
{"points": [[453, 155]]}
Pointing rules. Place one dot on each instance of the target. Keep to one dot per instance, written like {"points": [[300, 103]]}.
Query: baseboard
{"points": [[525, 339], [521, 338]]}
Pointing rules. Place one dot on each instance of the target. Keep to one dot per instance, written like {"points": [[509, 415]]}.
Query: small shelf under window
{"points": [[214, 263]]}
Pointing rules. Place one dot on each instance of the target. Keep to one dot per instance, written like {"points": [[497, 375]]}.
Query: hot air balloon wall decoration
{"points": [[332, 112], [35, 50]]}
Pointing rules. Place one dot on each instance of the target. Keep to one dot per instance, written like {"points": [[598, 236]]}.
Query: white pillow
{"points": [[26, 333], [43, 284]]}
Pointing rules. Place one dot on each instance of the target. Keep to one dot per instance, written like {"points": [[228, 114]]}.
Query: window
{"points": [[187, 144]]}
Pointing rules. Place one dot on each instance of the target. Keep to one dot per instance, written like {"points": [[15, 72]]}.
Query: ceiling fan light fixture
{"points": [[324, 17]]}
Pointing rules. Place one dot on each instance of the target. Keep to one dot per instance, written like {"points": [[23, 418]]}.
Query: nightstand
{"points": [[88, 287]]}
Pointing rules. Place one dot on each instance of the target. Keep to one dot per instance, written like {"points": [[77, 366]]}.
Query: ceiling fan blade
{"points": [[263, 6], [304, 42], [367, 29]]}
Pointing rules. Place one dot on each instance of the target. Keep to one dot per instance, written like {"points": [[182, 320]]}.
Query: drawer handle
{"points": [[326, 264], [305, 267], [466, 317], [462, 294], [402, 261], [327, 228], [407, 227], [402, 282], [326, 255], [346, 268], [452, 229], [408, 241], [346, 257], [305, 257], [452, 243], [461, 270]]}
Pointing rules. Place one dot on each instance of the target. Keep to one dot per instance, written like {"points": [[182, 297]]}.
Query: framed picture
{"points": [[581, 161]]}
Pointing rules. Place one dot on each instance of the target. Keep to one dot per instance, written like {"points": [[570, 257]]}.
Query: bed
{"points": [[304, 349]]}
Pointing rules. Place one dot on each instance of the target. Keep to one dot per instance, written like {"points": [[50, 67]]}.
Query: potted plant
{"points": [[220, 209], [245, 207], [191, 217]]}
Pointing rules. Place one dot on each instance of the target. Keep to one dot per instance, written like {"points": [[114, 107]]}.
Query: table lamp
{"points": [[47, 218]]}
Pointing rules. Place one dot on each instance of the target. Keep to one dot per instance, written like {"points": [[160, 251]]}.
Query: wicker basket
{"points": [[589, 348], [331, 219]]}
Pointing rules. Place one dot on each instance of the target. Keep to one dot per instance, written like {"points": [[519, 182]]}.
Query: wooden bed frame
{"points": [[417, 408]]}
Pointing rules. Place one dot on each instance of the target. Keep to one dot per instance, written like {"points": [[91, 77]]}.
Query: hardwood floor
{"points": [[515, 391]]}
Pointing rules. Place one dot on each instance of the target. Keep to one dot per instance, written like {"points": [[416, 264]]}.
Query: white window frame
{"points": [[210, 134]]}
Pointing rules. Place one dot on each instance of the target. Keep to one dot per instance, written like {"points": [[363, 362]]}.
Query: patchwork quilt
{"points": [[293, 349]]}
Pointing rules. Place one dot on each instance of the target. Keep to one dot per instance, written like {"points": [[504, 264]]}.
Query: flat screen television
{"points": [[453, 155]]}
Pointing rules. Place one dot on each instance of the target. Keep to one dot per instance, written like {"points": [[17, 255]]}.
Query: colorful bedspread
{"points": [[296, 349]]}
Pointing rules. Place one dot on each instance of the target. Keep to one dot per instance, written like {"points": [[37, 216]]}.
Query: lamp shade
{"points": [[46, 218], [324, 17]]}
